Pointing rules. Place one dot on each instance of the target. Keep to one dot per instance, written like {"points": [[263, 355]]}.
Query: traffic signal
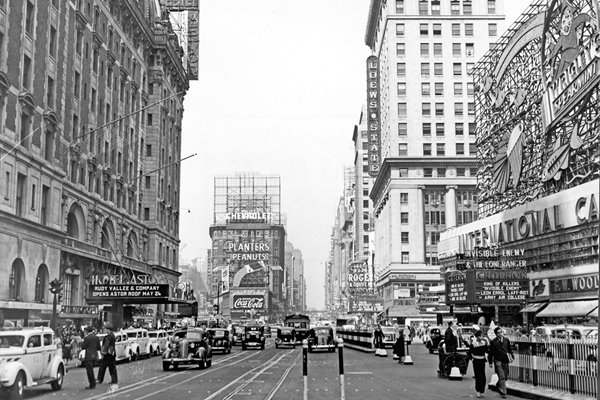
{"points": [[216, 308], [56, 286]]}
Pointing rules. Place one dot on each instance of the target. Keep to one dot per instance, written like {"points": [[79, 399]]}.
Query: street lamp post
{"points": [[221, 283]]}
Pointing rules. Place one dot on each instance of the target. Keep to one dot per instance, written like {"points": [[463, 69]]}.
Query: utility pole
{"points": [[56, 288]]}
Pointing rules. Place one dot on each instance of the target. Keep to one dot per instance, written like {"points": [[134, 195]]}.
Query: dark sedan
{"points": [[219, 339]]}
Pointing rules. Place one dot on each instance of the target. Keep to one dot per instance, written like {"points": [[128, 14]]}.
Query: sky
{"points": [[281, 85]]}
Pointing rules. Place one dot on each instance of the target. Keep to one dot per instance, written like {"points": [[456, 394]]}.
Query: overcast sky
{"points": [[281, 87]]}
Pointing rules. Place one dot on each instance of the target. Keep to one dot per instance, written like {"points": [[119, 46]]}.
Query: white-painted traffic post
{"points": [[305, 367], [407, 359], [341, 362]]}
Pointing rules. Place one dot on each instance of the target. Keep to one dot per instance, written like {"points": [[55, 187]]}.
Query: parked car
{"points": [[157, 341], [123, 350], [286, 336], [219, 339], [237, 331], [29, 357], [139, 342], [433, 338], [321, 338], [188, 346], [254, 336], [390, 333]]}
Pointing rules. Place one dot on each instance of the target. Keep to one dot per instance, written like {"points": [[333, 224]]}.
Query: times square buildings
{"points": [[91, 96]]}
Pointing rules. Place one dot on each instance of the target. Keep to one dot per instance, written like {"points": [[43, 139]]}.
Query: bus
{"points": [[300, 323]]}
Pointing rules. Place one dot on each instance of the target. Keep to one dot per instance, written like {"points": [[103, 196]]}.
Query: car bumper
{"points": [[322, 346], [189, 360], [220, 348], [253, 344]]}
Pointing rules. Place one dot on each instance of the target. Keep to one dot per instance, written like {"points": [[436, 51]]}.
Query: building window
{"points": [[146, 214], [399, 6], [423, 7], [50, 93], [435, 7], [473, 171], [426, 129], [470, 67], [403, 198], [470, 49], [403, 149], [440, 149], [21, 188], [457, 69], [402, 129], [493, 30], [76, 84], [403, 172], [404, 237], [439, 109], [437, 29], [78, 41], [439, 129], [471, 108], [33, 192], [441, 172], [439, 88], [426, 109], [424, 29], [460, 149], [26, 72], [26, 120], [424, 70], [460, 172], [456, 49], [425, 89], [402, 109], [458, 109], [427, 149], [404, 218], [467, 7], [455, 29], [491, 6], [405, 257], [428, 172], [472, 149], [401, 69], [400, 30], [29, 16], [472, 128], [401, 88], [455, 7], [148, 150], [468, 29], [45, 207], [437, 50], [438, 69], [424, 49], [470, 88], [400, 50], [458, 88]]}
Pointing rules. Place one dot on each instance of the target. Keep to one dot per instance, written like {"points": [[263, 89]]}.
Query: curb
{"points": [[512, 389]]}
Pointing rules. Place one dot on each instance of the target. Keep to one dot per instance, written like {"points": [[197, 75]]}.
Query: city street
{"points": [[274, 374]]}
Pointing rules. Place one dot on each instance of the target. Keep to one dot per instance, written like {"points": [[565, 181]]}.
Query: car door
{"points": [[49, 351], [34, 359], [120, 345]]}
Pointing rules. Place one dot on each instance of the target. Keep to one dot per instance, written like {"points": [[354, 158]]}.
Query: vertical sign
{"points": [[373, 122], [193, 42]]}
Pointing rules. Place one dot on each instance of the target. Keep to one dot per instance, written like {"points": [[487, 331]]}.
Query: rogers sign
{"points": [[251, 301]]}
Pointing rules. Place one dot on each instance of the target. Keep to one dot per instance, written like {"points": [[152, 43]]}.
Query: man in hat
{"points": [[108, 356], [91, 345]]}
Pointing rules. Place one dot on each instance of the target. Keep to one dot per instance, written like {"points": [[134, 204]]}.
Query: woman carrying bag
{"points": [[478, 347]]}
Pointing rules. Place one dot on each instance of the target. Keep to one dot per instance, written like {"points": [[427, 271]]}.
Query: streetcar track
{"points": [[282, 379]]}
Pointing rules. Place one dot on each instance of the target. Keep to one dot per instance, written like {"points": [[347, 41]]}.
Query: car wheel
{"points": [[165, 366], [209, 363], [243, 347], [175, 366], [57, 384], [136, 356], [203, 364], [15, 392], [262, 347]]}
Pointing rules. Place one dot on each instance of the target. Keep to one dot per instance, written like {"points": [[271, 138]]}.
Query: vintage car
{"points": [[29, 357], [157, 341], [433, 338], [188, 346], [321, 338], [390, 333], [139, 342], [123, 350], [237, 331], [285, 337], [219, 339], [254, 336]]}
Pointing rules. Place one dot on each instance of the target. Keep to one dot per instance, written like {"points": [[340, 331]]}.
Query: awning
{"points": [[579, 308], [594, 313], [533, 307], [403, 311]]}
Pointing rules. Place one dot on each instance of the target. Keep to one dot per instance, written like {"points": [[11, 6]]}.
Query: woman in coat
{"points": [[399, 347]]}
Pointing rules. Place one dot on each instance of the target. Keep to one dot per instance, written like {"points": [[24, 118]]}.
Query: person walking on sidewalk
{"points": [[91, 345], [108, 356], [399, 347], [477, 350], [500, 356]]}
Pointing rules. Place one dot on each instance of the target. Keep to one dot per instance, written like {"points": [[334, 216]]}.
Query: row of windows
{"points": [[434, 7], [401, 88], [440, 151], [439, 109], [437, 49], [440, 173], [457, 30], [440, 129], [438, 69]]}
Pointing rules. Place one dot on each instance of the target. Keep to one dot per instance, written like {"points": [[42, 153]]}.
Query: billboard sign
{"points": [[248, 300], [181, 5], [373, 119], [487, 286], [359, 278], [128, 292], [193, 42]]}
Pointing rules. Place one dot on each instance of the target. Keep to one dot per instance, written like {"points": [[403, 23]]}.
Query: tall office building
{"points": [[425, 116], [91, 99]]}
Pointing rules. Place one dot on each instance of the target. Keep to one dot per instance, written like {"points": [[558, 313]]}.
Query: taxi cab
{"points": [[139, 342], [29, 357], [219, 339], [157, 341]]}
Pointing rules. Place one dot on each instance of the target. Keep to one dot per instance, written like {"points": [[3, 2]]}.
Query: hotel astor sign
{"points": [[373, 119]]}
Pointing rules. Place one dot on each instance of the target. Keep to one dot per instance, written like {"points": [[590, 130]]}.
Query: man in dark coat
{"points": [[108, 356], [399, 347], [378, 337], [500, 355], [450, 339], [91, 345]]}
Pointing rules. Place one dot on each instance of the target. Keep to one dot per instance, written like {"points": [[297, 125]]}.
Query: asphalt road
{"points": [[273, 374]]}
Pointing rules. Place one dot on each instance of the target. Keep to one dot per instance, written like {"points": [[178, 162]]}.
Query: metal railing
{"points": [[560, 364]]}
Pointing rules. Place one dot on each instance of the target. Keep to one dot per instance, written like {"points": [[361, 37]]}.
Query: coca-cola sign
{"points": [[248, 302]]}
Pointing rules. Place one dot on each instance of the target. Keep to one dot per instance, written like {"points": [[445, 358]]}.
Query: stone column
{"points": [[451, 206]]}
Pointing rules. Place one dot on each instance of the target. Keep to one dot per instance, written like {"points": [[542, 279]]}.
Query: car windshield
{"points": [[12, 340], [322, 331], [180, 334], [286, 331], [132, 335], [194, 335], [239, 329], [152, 334], [218, 333]]}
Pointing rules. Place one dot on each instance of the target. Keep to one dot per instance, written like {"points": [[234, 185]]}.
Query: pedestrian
{"points": [[399, 347], [450, 339], [378, 337], [477, 350], [108, 356], [500, 355], [91, 346]]}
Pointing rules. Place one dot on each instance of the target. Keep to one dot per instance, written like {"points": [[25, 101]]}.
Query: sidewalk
{"points": [[75, 363]]}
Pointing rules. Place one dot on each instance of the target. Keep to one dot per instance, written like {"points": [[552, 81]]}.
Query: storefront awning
{"points": [[403, 311], [579, 308], [533, 307]]}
